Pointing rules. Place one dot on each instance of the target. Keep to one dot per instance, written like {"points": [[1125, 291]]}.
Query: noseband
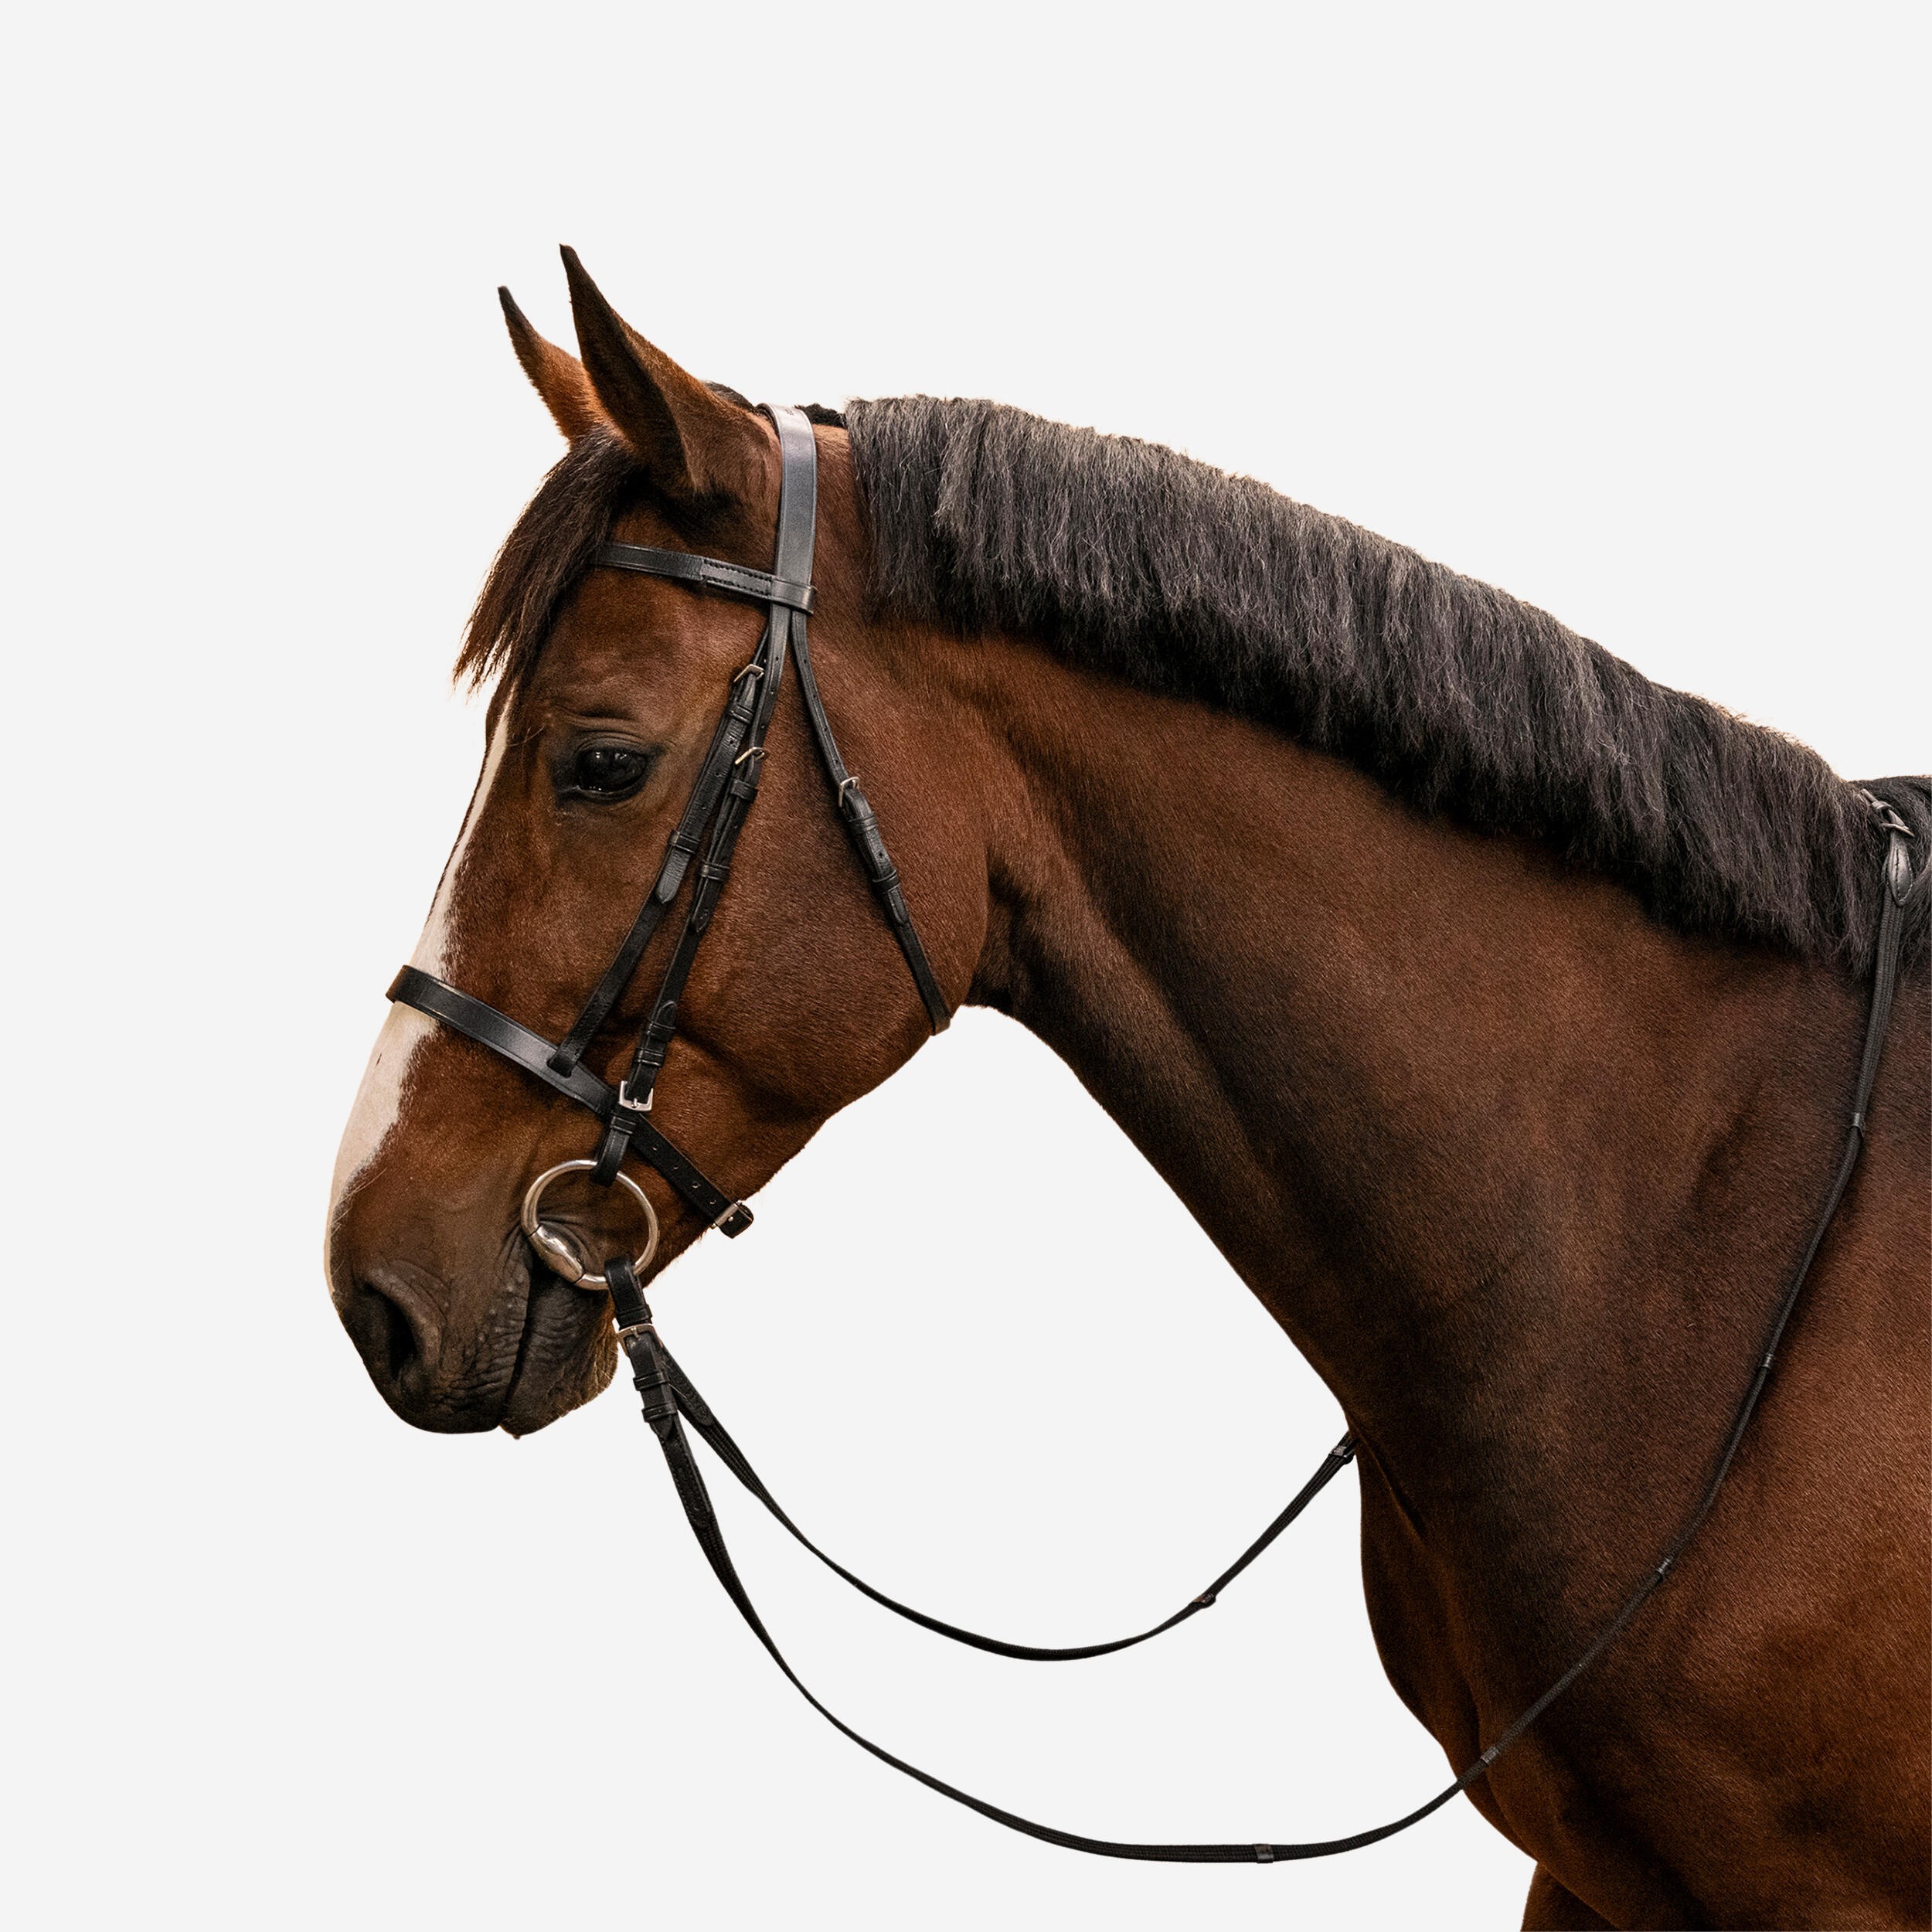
{"points": [[726, 784]]}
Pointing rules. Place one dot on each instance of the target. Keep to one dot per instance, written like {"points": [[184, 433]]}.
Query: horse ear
{"points": [[692, 443], [558, 375]]}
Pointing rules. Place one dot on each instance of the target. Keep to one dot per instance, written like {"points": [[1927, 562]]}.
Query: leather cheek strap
{"points": [[862, 827], [532, 1053]]}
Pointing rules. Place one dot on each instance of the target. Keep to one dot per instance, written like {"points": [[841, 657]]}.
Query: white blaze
{"points": [[378, 1101]]}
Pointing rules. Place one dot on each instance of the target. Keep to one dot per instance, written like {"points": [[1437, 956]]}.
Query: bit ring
{"points": [[557, 1253]]}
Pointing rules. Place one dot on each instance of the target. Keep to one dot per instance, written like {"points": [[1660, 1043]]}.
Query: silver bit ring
{"points": [[558, 1255]]}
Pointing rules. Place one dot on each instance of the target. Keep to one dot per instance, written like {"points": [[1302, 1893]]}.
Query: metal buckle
{"points": [[558, 1254], [629, 1105]]}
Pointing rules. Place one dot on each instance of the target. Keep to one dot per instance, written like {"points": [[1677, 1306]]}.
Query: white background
{"points": [[1623, 312]]}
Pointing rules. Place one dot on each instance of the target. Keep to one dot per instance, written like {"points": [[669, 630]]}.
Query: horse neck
{"points": [[1499, 1153]]}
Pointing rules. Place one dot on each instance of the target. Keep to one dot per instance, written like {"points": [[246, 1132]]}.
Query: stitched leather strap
{"points": [[726, 742], [797, 493], [713, 573], [658, 1388], [533, 1052], [735, 802], [862, 827], [628, 1307], [697, 1411]]}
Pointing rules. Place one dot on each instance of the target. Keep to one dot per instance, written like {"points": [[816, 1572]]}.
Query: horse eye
{"points": [[609, 771]]}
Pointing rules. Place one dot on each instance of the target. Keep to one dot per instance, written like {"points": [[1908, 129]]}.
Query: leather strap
{"points": [[797, 494], [533, 1053], [800, 454], [756, 587], [698, 1413], [681, 846], [657, 1390], [862, 827], [734, 800], [634, 1095], [628, 1307]]}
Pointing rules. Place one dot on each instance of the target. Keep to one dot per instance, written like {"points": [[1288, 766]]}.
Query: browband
{"points": [[756, 587]]}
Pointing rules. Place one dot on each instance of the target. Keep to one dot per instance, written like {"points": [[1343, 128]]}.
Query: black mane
{"points": [[1459, 698], [1179, 578]]}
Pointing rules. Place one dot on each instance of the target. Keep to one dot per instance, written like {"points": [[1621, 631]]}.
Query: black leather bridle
{"points": [[726, 784]]}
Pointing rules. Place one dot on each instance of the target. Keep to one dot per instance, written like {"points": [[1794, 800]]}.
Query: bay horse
{"points": [[1495, 1010]]}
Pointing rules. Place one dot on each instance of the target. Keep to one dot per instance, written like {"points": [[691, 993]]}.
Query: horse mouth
{"points": [[513, 1348], [565, 1355]]}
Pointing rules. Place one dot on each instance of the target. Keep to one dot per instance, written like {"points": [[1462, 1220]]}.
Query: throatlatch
{"points": [[727, 784]]}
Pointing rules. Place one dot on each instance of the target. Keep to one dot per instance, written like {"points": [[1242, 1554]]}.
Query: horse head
{"points": [[609, 686]]}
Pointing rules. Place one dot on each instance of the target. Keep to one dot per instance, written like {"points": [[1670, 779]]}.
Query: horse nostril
{"points": [[386, 1334], [398, 1315], [400, 1338]]}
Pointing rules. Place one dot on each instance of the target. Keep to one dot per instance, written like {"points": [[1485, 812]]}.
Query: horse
{"points": [[1493, 1010]]}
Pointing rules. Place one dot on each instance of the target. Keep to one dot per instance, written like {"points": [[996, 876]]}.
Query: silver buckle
{"points": [[629, 1105]]}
